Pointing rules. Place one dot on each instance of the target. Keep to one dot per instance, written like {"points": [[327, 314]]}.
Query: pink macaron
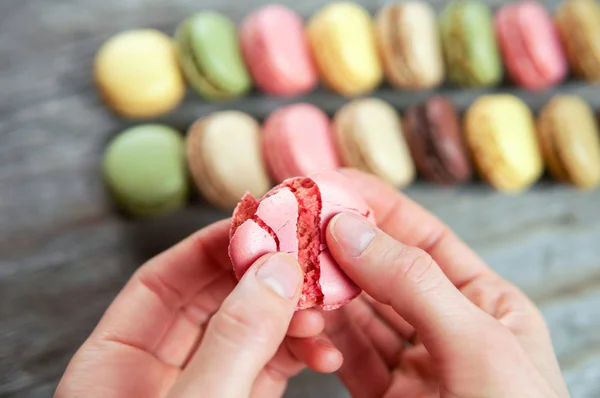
{"points": [[293, 218], [530, 45], [276, 51], [297, 140]]}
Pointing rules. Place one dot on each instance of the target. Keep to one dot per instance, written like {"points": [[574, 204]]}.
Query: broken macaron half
{"points": [[292, 218]]}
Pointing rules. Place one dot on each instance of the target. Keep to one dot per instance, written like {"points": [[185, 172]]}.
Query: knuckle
{"points": [[236, 325], [415, 266]]}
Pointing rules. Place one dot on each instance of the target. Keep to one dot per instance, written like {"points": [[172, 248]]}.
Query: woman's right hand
{"points": [[470, 334]]}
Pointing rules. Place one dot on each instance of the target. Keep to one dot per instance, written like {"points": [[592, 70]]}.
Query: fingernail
{"points": [[281, 274], [353, 233]]}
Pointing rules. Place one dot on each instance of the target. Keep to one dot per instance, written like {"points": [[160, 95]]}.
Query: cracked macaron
{"points": [[210, 56], [434, 135], [293, 218]]}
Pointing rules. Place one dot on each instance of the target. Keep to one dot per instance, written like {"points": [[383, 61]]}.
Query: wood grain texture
{"points": [[65, 253]]}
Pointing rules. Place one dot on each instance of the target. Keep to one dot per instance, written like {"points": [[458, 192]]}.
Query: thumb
{"points": [[409, 280], [243, 336]]}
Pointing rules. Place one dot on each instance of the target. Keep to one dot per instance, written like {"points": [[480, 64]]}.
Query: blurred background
{"points": [[65, 251]]}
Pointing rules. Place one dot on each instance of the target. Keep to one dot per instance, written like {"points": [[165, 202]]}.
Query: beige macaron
{"points": [[369, 137], [500, 132], [224, 158], [137, 73], [569, 139], [409, 44]]}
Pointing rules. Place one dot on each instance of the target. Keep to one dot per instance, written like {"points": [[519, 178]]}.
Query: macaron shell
{"points": [[409, 45], [578, 23], [137, 73], [224, 156], [249, 243], [144, 168], [276, 50], [338, 194], [338, 289], [297, 140], [570, 141], [280, 212], [211, 57], [369, 137], [343, 43], [500, 132]]}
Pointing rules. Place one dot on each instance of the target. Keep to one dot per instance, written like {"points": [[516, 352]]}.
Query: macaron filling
{"points": [[398, 50], [199, 69], [309, 236], [425, 128]]}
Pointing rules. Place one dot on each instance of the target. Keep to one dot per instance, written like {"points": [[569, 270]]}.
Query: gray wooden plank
{"points": [[65, 253]]}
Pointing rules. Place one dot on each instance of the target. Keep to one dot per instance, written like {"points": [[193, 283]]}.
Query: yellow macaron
{"points": [[342, 39], [500, 132], [137, 73], [568, 135]]}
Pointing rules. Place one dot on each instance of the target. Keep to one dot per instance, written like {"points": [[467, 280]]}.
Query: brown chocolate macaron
{"points": [[434, 136]]}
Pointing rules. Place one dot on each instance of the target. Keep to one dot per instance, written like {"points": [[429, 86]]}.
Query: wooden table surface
{"points": [[65, 253]]}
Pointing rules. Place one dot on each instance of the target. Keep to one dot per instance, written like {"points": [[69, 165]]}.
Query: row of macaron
{"points": [[144, 73], [229, 153]]}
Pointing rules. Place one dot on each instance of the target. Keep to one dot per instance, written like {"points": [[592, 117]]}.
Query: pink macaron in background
{"points": [[297, 140], [276, 50], [293, 218], [530, 45]]}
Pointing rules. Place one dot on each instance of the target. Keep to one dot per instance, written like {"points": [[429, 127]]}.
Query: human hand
{"points": [[469, 332], [183, 327]]}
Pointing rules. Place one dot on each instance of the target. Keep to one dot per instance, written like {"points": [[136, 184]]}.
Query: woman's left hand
{"points": [[184, 327]]}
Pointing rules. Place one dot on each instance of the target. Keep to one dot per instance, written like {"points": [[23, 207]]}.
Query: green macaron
{"points": [[210, 56], [470, 47], [144, 169]]}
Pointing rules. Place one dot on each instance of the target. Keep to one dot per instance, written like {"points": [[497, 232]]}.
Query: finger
{"points": [[409, 386], [306, 323], [364, 372], [181, 339], [273, 379], [409, 223], [406, 278], [386, 341], [246, 332], [391, 317], [147, 306], [318, 353]]}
